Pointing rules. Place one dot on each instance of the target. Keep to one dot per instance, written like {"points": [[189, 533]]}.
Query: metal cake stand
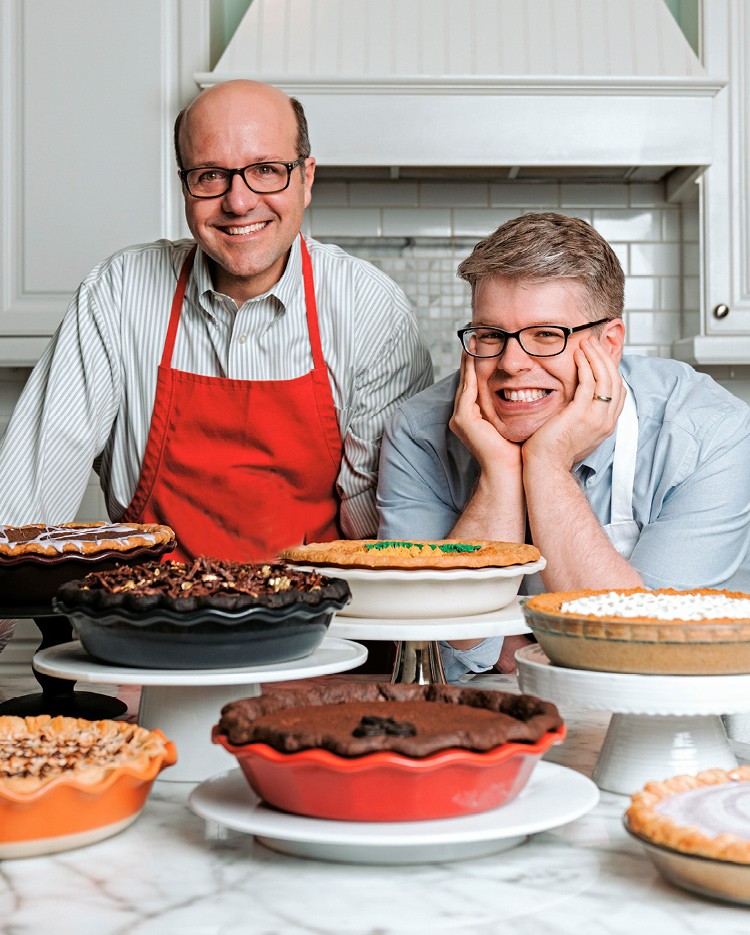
{"points": [[661, 726], [417, 654], [184, 704]]}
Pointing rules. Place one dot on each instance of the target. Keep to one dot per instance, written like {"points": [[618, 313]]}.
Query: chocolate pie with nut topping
{"points": [[203, 614]]}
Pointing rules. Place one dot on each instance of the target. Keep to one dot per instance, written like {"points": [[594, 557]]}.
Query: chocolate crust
{"points": [[414, 553], [512, 718], [205, 583]]}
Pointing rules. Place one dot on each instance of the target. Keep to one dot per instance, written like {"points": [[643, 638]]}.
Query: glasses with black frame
{"points": [[263, 178], [536, 340]]}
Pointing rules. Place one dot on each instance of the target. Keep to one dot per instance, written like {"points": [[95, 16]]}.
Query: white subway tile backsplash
{"points": [[691, 293], [653, 327], [478, 222], [655, 259], [641, 292], [647, 195], [397, 194], [543, 196], [416, 222], [454, 194], [691, 258], [593, 195], [329, 194], [671, 227], [619, 224], [623, 255], [585, 214], [346, 222], [671, 293]]}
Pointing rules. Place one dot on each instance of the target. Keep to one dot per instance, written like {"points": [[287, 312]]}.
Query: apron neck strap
{"points": [[174, 317], [311, 307]]}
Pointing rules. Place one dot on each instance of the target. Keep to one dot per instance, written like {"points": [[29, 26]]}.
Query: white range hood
{"points": [[524, 88]]}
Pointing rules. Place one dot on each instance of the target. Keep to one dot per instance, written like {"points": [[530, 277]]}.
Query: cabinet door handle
{"points": [[721, 311]]}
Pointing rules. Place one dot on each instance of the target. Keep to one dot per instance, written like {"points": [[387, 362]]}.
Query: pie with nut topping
{"points": [[414, 553], [34, 751]]}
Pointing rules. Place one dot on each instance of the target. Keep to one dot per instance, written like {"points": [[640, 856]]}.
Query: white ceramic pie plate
{"points": [[428, 592], [553, 796]]}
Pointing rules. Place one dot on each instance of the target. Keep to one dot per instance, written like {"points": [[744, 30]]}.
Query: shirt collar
{"points": [[284, 290]]}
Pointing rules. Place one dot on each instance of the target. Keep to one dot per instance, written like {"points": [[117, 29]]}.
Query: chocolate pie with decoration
{"points": [[414, 553], [81, 538]]}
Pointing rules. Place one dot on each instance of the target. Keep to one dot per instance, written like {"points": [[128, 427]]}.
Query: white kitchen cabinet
{"points": [[724, 336], [90, 89]]}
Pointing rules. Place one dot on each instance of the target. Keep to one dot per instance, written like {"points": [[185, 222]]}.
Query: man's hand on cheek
{"points": [[578, 429], [481, 433]]}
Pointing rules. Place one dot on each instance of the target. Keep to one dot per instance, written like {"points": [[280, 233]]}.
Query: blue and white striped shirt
{"points": [[90, 397]]}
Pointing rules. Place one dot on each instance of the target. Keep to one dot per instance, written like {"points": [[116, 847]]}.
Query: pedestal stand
{"points": [[418, 654], [57, 695], [662, 725], [185, 704]]}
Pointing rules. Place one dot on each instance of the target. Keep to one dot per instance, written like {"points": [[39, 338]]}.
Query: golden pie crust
{"points": [[412, 553], [646, 821], [80, 538], [34, 751]]}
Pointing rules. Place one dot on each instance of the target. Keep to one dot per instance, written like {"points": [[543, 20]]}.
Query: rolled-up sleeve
{"points": [[480, 658]]}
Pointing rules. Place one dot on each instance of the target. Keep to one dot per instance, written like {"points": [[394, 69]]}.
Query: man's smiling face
{"points": [[246, 235], [518, 393]]}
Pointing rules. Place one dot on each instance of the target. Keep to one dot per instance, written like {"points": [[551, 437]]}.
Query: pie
{"points": [[667, 632], [80, 538], [354, 719], [707, 815], [202, 583], [415, 553], [34, 751]]}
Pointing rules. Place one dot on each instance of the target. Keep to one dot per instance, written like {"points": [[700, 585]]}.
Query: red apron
{"points": [[241, 469]]}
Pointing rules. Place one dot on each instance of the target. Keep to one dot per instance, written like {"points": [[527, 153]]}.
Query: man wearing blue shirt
{"points": [[627, 472]]}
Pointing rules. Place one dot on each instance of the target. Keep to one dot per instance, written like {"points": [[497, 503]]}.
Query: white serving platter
{"points": [[554, 796]]}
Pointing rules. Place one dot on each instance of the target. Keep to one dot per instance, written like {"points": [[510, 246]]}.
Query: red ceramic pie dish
{"points": [[388, 786]]}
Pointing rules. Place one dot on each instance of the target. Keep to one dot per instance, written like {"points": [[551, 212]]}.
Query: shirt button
{"points": [[241, 339]]}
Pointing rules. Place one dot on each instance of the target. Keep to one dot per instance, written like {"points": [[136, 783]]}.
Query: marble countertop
{"points": [[171, 872]]}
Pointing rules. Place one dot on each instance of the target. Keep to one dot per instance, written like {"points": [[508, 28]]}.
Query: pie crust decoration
{"points": [[717, 801], [80, 538], [35, 751], [202, 583], [413, 553], [354, 719]]}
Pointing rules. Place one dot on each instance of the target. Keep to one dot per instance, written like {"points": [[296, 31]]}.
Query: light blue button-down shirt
{"points": [[691, 496]]}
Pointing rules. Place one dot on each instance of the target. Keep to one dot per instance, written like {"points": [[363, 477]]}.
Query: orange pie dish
{"points": [[66, 782]]}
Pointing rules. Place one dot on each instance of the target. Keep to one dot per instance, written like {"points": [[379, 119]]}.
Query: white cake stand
{"points": [[662, 725], [184, 704], [418, 654]]}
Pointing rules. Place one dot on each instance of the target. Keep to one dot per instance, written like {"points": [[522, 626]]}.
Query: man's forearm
{"points": [[495, 510], [567, 533]]}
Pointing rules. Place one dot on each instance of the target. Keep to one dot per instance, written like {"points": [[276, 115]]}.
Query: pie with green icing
{"points": [[414, 553]]}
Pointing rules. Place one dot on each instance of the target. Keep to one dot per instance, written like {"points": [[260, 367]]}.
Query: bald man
{"points": [[234, 386]]}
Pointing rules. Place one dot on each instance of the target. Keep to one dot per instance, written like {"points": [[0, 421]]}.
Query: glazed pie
{"points": [[202, 583], [706, 815], [36, 750], [415, 553], [354, 719], [81, 538], [665, 631]]}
